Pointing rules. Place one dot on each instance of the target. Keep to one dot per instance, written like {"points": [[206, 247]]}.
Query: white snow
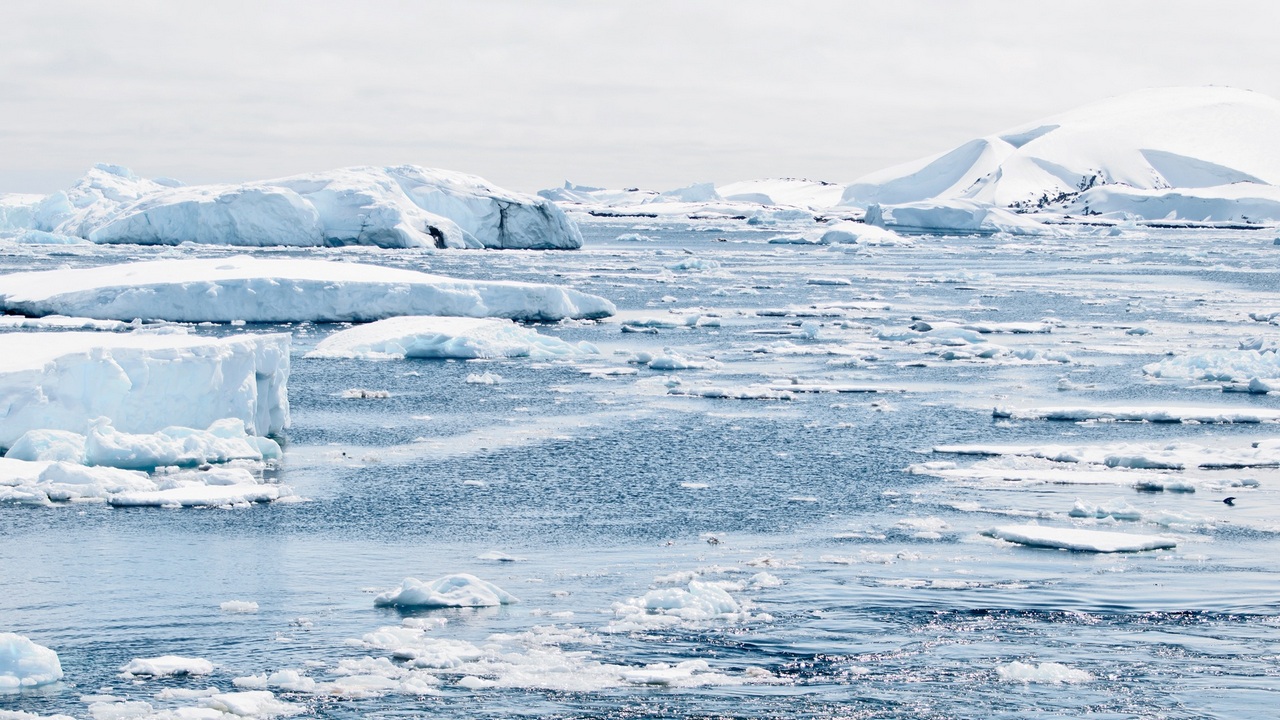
{"points": [[1045, 672], [403, 206], [281, 290], [1136, 148], [1079, 540], [167, 665], [459, 590], [143, 383], [24, 664], [444, 337]]}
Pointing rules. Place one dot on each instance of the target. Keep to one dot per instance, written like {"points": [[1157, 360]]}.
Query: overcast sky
{"points": [[529, 94]]}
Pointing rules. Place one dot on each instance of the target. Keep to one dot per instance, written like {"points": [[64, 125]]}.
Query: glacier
{"points": [[276, 290], [141, 382], [392, 207]]}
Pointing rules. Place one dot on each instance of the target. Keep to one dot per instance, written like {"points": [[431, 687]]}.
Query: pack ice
{"points": [[141, 383], [281, 290], [395, 207], [1195, 154]]}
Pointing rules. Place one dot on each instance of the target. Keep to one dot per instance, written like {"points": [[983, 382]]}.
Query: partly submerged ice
{"points": [[1079, 540], [459, 590], [260, 290], [24, 664], [444, 337]]}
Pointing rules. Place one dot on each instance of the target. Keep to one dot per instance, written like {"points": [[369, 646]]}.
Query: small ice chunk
{"points": [[1045, 672], [239, 606], [459, 590], [24, 664], [167, 665], [1079, 540]]}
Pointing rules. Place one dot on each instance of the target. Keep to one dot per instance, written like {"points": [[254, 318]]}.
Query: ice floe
{"points": [[459, 590], [45, 483], [444, 337], [264, 290], [1137, 413], [143, 383], [24, 664], [1097, 541], [224, 441], [166, 665]]}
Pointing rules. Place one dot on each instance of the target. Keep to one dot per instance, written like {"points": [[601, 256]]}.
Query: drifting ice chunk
{"points": [[238, 606], [167, 665], [275, 290], [1218, 366], [1045, 672], [251, 704], [24, 664], [141, 382], [459, 590], [444, 337], [1143, 414], [1079, 540]]}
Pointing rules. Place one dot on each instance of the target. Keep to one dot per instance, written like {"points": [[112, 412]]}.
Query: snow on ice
{"points": [[459, 590], [167, 665], [276, 290], [1097, 541], [444, 337]]}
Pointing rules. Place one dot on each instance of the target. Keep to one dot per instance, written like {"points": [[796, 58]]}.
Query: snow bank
{"points": [[403, 206], [142, 383], [1079, 540], [444, 337], [167, 665], [24, 664], [460, 590], [277, 290], [1045, 672]]}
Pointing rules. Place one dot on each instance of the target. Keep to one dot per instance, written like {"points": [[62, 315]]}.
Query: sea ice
{"points": [[24, 664], [1045, 672], [444, 337], [271, 290], [460, 590], [141, 382], [1160, 414], [167, 665], [1079, 540]]}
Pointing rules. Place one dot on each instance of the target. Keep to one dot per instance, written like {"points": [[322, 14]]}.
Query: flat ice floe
{"points": [[141, 382], [1137, 413], [460, 590], [1097, 541], [277, 290], [445, 337], [24, 664], [224, 441], [396, 207]]}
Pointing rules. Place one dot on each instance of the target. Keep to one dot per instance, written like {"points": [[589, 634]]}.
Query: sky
{"points": [[655, 94]]}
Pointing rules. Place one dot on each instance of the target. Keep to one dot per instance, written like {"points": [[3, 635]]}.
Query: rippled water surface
{"points": [[864, 584]]}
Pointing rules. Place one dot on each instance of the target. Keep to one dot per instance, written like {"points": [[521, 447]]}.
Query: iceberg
{"points": [[394, 207], [24, 664], [141, 383], [444, 337], [275, 290]]}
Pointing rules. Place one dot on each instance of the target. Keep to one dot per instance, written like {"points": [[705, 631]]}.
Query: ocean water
{"points": [[861, 581]]}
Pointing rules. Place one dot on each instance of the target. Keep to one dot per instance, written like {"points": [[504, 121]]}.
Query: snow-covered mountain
{"points": [[1129, 155], [403, 206]]}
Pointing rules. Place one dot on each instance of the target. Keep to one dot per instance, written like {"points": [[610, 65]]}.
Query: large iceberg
{"points": [[277, 290], [403, 206], [1190, 153], [444, 337], [141, 382]]}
